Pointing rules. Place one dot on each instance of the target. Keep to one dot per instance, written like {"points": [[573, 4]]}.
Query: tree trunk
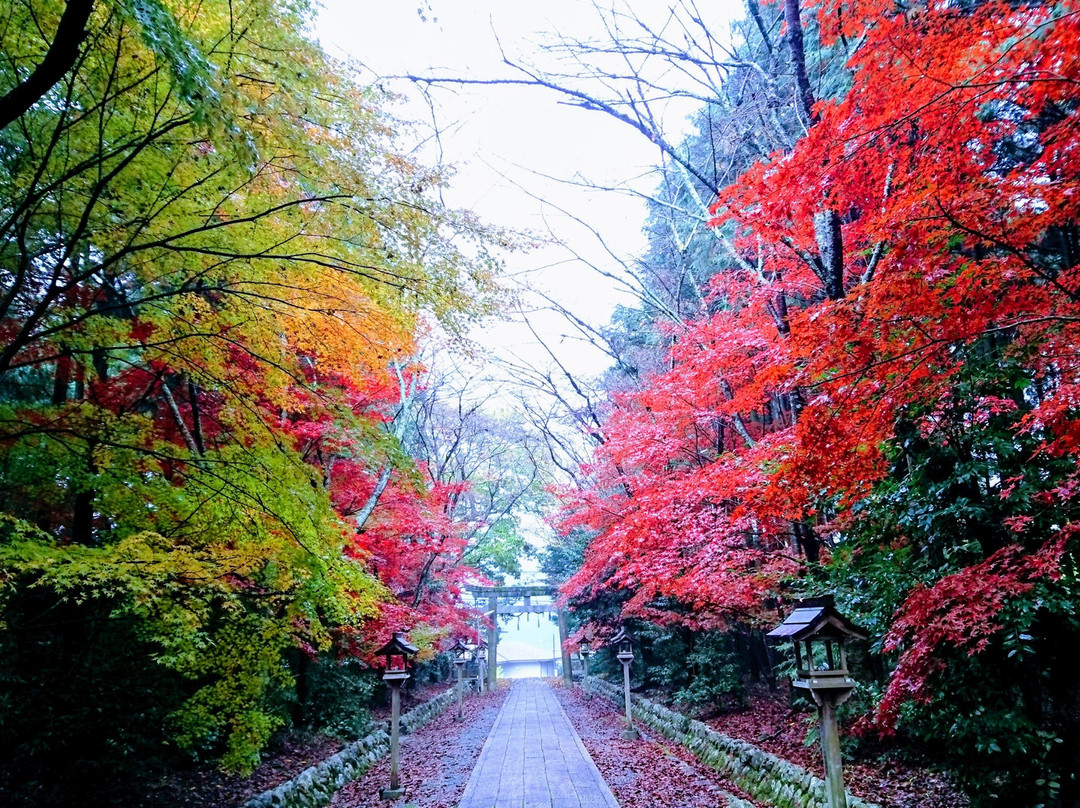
{"points": [[808, 543], [804, 95], [61, 379], [301, 666], [178, 417], [82, 517], [741, 636], [373, 500], [831, 248], [196, 416], [62, 55], [764, 657]]}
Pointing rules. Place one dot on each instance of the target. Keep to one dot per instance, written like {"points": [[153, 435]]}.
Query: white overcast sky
{"points": [[511, 146], [506, 141]]}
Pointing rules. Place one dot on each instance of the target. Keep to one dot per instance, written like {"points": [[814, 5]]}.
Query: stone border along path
{"points": [[634, 768], [763, 776], [316, 786], [533, 758]]}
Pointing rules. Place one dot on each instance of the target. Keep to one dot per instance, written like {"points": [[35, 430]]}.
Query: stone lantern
{"points": [[585, 650], [818, 633], [461, 654], [624, 645], [398, 652]]}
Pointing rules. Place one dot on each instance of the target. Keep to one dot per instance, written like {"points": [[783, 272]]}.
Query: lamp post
{"points": [[585, 649], [818, 633], [480, 655], [397, 652], [493, 643], [625, 644], [461, 653]]}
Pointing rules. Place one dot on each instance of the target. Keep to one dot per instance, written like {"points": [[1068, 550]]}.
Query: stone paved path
{"points": [[534, 759]]}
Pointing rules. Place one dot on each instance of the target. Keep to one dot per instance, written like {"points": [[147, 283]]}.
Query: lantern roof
{"points": [[816, 617], [622, 636], [398, 645], [459, 647]]}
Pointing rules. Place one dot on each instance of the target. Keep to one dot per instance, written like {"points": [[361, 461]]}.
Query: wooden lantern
{"points": [[818, 633]]}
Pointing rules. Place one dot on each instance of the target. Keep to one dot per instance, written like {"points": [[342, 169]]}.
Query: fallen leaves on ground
{"points": [[410, 697], [647, 772], [436, 760], [771, 724], [290, 753]]}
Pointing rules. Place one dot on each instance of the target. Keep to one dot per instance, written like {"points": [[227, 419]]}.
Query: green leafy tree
{"points": [[209, 246]]}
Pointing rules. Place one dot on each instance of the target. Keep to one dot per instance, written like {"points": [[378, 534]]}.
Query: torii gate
{"points": [[526, 594]]}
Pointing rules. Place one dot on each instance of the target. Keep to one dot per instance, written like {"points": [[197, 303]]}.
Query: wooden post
{"points": [[395, 728], [563, 636], [460, 686], [629, 732], [395, 791], [585, 675], [481, 672], [493, 640], [830, 747]]}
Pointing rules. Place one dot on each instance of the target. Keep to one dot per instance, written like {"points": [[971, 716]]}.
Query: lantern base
{"points": [[395, 678], [832, 691], [391, 793], [630, 734]]}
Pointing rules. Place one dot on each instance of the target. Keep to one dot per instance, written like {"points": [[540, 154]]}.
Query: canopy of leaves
{"points": [[215, 265], [877, 389]]}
